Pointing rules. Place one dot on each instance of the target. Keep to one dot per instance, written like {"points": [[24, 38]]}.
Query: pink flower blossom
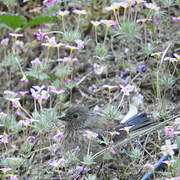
{"points": [[111, 148], [24, 79], [59, 135], [39, 93], [62, 13], [170, 59], [177, 121], [114, 6], [108, 23], [152, 6], [50, 42], [49, 2], [140, 1], [168, 148], [149, 166], [169, 130], [23, 93], [12, 177], [143, 20], [109, 87], [36, 61], [127, 89], [25, 122], [56, 163], [80, 44], [16, 35], [177, 56], [31, 138], [90, 135], [4, 139], [67, 59], [2, 115], [176, 18], [5, 170], [95, 23], [10, 93], [158, 54], [79, 12], [127, 129], [99, 69], [40, 35], [4, 42], [169, 162], [15, 102], [174, 178], [124, 4]]}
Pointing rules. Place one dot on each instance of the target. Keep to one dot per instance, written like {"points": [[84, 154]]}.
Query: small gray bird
{"points": [[79, 120]]}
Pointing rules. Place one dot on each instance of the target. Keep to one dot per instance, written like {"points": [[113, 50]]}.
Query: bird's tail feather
{"points": [[138, 121]]}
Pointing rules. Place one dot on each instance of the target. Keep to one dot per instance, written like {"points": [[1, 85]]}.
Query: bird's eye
{"points": [[75, 115]]}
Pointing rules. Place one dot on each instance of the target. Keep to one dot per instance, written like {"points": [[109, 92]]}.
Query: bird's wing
{"points": [[138, 121]]}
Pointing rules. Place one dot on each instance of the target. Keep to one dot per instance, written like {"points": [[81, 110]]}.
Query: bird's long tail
{"points": [[138, 121]]}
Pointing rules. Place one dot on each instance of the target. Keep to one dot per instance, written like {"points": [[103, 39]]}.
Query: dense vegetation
{"points": [[104, 54]]}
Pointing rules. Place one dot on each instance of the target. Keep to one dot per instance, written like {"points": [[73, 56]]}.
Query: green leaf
{"points": [[88, 160], [52, 76], [30, 77], [40, 20], [26, 147], [12, 21], [12, 162]]}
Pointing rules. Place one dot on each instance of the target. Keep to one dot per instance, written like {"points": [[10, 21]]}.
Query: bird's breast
{"points": [[74, 138]]}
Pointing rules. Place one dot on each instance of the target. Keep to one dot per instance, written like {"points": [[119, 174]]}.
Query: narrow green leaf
{"points": [[40, 20], [52, 76]]}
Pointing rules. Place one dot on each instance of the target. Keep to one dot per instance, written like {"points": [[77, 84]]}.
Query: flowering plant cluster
{"points": [[122, 56]]}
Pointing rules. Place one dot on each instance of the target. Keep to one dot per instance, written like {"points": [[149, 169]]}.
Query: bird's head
{"points": [[75, 117]]}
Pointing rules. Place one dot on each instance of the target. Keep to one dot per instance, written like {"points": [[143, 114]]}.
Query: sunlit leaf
{"points": [[12, 21], [39, 20]]}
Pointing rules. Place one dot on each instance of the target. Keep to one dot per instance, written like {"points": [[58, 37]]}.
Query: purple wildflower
{"points": [[25, 122], [31, 138], [5, 170], [40, 35], [62, 13], [49, 2], [67, 59], [168, 148], [123, 74], [39, 93], [127, 89], [169, 130], [141, 67], [24, 79], [111, 148], [80, 44], [176, 18], [79, 12], [4, 42], [59, 135], [12, 177], [2, 115], [90, 135], [109, 23], [36, 61], [50, 42], [4, 139], [23, 93]]}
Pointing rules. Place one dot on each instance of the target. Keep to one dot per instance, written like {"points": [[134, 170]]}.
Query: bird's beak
{"points": [[62, 117]]}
